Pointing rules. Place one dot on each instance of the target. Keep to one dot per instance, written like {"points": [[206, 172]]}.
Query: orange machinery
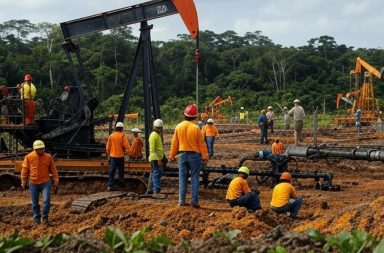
{"points": [[362, 96], [213, 109]]}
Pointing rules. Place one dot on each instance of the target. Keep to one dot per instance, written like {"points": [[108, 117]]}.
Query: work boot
{"points": [[109, 189], [195, 205], [37, 222], [46, 222]]}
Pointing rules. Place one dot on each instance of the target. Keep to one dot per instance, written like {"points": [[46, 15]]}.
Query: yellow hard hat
{"points": [[38, 144], [244, 170]]}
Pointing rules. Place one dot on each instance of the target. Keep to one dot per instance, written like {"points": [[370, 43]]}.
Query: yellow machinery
{"points": [[362, 97], [213, 109]]}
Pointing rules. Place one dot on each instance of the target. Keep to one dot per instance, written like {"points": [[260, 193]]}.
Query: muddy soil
{"points": [[359, 204]]}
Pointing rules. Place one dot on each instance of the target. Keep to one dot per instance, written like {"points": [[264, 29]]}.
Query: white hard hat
{"points": [[210, 121], [241, 108], [358, 110], [296, 101], [270, 107], [158, 123], [38, 144], [120, 124], [285, 108], [135, 130]]}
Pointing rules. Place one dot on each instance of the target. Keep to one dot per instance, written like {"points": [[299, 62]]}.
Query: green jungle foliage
{"points": [[251, 69]]}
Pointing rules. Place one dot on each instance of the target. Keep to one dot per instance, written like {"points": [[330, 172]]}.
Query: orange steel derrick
{"points": [[362, 96], [213, 109]]}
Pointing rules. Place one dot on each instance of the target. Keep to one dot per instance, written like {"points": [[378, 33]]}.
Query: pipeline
{"points": [[346, 153]]}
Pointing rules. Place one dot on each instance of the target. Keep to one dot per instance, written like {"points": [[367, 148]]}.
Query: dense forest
{"points": [[251, 69]]}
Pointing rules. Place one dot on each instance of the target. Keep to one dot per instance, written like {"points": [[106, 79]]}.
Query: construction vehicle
{"points": [[213, 109], [362, 96], [68, 126]]}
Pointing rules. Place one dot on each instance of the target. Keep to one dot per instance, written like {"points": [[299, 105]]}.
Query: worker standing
{"points": [[298, 117], [38, 166], [287, 118], [277, 147], [117, 146], [263, 124], [242, 115], [284, 197], [358, 120], [136, 150], [28, 94], [271, 118], [210, 133], [189, 143], [239, 194], [156, 154]]}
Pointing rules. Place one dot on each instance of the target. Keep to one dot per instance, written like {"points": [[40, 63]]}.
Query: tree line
{"points": [[252, 69]]}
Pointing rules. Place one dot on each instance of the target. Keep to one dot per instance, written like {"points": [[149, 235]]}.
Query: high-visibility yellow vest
{"points": [[242, 115], [28, 91]]}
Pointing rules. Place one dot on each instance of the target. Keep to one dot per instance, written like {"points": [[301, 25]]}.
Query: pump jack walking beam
{"points": [[139, 13]]}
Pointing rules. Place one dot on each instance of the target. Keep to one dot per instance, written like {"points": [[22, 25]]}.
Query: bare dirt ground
{"points": [[359, 204]]}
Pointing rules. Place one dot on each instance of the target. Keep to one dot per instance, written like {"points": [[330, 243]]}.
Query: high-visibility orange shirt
{"points": [[38, 168], [188, 137], [117, 145], [237, 188], [210, 130], [282, 193], [277, 148], [136, 148]]}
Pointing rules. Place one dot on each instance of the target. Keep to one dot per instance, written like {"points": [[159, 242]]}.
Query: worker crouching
{"points": [[239, 193], [284, 197]]}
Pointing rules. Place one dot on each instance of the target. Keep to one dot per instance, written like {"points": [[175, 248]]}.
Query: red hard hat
{"points": [[28, 77], [191, 111]]}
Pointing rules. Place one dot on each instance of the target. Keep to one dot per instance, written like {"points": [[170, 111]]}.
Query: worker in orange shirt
{"points": [[277, 147], [189, 143], [136, 150], [116, 148], [28, 94], [210, 133], [37, 166], [239, 194], [284, 197]]}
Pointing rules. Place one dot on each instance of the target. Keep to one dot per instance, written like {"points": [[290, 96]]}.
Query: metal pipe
{"points": [[347, 153]]}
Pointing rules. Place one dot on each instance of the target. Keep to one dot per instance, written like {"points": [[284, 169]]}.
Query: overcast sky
{"points": [[285, 22]]}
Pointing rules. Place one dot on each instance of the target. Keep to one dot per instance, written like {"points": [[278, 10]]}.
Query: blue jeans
{"points": [[293, 207], [264, 133], [156, 174], [189, 162], [116, 163], [210, 140], [45, 190], [250, 201]]}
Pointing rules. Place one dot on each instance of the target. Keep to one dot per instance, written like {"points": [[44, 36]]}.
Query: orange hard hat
{"points": [[286, 176], [191, 111], [28, 77]]}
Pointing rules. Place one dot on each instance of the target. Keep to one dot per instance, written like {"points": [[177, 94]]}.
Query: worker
{"points": [[287, 118], [156, 156], [358, 120], [210, 133], [298, 117], [263, 124], [242, 115], [239, 194], [136, 150], [271, 118], [37, 166], [189, 143], [116, 148], [277, 147], [284, 197], [28, 94]]}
